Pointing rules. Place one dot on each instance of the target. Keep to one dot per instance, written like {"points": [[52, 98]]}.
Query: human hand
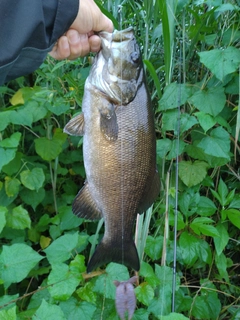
{"points": [[80, 39]]}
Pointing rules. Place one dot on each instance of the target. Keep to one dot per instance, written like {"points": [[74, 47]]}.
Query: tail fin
{"points": [[114, 251]]}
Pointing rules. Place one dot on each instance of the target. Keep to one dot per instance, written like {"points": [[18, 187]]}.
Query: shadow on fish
{"points": [[119, 147]]}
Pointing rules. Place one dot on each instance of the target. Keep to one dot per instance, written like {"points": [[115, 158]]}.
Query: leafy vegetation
{"points": [[191, 53]]}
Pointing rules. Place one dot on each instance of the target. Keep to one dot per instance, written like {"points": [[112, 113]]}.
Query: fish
{"points": [[119, 147]]}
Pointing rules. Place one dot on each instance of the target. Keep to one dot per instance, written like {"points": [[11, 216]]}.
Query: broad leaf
{"points": [[144, 293], [217, 144], [201, 226], [192, 173], [221, 242], [174, 95], [73, 309], [3, 213], [62, 282], [34, 179], [227, 61], [153, 247], [189, 246], [206, 207], [48, 311], [206, 120], [11, 186], [11, 142], [61, 249], [16, 261], [18, 218], [114, 272], [210, 101], [6, 155]]}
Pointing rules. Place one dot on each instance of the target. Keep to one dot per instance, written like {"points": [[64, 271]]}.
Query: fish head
{"points": [[117, 71], [122, 53]]}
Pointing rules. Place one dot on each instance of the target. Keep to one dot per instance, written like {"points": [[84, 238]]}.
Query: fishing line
{"points": [[176, 181], [121, 137]]}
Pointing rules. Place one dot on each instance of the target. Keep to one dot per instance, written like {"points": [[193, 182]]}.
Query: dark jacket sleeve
{"points": [[28, 31]]}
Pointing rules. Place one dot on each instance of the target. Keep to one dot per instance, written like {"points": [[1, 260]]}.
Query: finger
{"points": [[94, 43], [61, 50], [79, 44]]}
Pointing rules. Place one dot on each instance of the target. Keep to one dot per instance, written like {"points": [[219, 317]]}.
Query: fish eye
{"points": [[135, 57]]}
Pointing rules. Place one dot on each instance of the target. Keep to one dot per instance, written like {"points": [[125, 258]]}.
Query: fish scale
{"points": [[119, 148]]}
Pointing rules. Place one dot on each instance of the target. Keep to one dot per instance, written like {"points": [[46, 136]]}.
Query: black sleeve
{"points": [[28, 31]]}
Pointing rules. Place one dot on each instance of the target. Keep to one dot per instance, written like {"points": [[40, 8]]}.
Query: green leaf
{"points": [[174, 95], [62, 282], [4, 119], [154, 76], [49, 149], [147, 272], [61, 249], [32, 197], [174, 316], [3, 213], [6, 155], [14, 165], [9, 314], [192, 173], [186, 122], [73, 309], [18, 218], [163, 147], [173, 151], [221, 242], [189, 246], [153, 247], [34, 179], [209, 101], [206, 207], [222, 191], [48, 311], [206, 120], [141, 314], [221, 263], [11, 186], [11, 142], [201, 226], [200, 308], [16, 261], [227, 61], [234, 216], [144, 293], [68, 220], [86, 293], [114, 271], [217, 144]]}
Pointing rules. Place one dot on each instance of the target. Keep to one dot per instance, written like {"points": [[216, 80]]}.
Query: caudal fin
{"points": [[114, 251]]}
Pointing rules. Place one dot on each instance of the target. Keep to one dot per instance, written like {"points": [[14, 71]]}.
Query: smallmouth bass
{"points": [[119, 147]]}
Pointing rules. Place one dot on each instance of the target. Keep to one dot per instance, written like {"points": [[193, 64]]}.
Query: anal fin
{"points": [[84, 206]]}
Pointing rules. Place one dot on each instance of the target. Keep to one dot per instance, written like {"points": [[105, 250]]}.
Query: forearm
{"points": [[29, 28]]}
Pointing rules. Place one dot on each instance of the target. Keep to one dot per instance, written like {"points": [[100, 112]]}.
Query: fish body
{"points": [[119, 147]]}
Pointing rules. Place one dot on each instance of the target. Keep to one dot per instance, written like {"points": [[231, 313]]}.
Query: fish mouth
{"points": [[117, 36]]}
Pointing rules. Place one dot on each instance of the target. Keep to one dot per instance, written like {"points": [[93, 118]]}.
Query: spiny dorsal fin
{"points": [[75, 127], [84, 206]]}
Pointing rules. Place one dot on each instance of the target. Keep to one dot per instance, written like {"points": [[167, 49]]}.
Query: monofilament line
{"points": [[176, 186], [120, 136]]}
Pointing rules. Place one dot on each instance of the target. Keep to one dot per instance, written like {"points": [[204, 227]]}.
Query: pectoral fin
{"points": [[84, 206], [108, 122], [75, 127], [150, 194]]}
